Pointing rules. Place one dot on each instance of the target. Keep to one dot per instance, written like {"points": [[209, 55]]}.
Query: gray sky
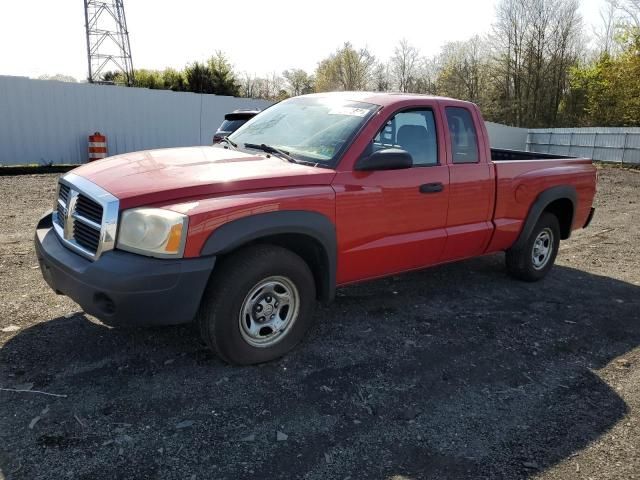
{"points": [[47, 36]]}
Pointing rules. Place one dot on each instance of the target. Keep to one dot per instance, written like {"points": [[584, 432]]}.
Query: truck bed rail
{"points": [[498, 154]]}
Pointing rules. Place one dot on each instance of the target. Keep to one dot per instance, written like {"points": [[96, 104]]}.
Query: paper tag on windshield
{"points": [[352, 111]]}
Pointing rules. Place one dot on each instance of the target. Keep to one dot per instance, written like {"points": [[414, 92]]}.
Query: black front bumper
{"points": [[121, 288]]}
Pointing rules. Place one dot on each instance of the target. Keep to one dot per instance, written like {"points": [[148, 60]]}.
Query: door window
{"points": [[464, 141], [413, 131]]}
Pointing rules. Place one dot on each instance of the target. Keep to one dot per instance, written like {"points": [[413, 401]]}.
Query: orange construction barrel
{"points": [[97, 146]]}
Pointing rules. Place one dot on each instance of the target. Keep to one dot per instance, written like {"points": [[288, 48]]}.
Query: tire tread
{"points": [[518, 260]]}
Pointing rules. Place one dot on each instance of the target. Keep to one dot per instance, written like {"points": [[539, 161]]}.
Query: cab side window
{"points": [[413, 131], [464, 140]]}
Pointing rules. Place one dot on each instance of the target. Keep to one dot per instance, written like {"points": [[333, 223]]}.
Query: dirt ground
{"points": [[454, 372]]}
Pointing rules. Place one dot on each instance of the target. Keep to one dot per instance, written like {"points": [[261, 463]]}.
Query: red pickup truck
{"points": [[316, 192]]}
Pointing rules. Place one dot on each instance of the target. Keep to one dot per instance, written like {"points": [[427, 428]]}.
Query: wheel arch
{"points": [[560, 201], [310, 235]]}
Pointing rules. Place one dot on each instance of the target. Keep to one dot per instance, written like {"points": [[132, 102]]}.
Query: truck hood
{"points": [[158, 176]]}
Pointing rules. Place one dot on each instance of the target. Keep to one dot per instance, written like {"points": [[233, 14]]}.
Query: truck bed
{"points": [[520, 180], [499, 155]]}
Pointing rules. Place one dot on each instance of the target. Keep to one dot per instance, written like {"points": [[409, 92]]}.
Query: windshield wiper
{"points": [[270, 149], [230, 142]]}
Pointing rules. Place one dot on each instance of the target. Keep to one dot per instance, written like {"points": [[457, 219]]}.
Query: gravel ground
{"points": [[454, 372]]}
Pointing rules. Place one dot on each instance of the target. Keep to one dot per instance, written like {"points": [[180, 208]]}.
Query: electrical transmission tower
{"points": [[108, 48]]}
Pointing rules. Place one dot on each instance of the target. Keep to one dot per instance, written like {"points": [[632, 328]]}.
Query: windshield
{"points": [[312, 129]]}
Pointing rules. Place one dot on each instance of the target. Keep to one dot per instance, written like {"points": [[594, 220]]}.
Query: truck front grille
{"points": [[86, 236], [87, 208], [85, 217], [63, 196]]}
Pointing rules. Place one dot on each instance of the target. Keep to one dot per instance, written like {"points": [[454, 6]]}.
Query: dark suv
{"points": [[232, 122]]}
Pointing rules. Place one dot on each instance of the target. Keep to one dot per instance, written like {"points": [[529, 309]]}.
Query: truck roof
{"points": [[381, 98]]}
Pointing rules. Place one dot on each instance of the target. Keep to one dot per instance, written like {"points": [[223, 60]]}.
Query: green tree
{"points": [[148, 79], [606, 92], [298, 82], [223, 78], [173, 80], [325, 75], [113, 77], [215, 76], [346, 69], [198, 77]]}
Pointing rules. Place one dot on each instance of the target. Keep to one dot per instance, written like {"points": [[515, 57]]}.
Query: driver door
{"points": [[394, 220]]}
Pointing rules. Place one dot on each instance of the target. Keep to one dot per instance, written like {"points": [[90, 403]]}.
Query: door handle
{"points": [[431, 187]]}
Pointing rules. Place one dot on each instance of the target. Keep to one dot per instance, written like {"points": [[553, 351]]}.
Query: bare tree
{"points": [[509, 36], [536, 42], [631, 11], [404, 64], [248, 85], [463, 68], [427, 74], [565, 47], [605, 33], [381, 77], [270, 87]]}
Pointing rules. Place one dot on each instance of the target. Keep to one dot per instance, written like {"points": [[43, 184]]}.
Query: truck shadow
{"points": [[454, 372]]}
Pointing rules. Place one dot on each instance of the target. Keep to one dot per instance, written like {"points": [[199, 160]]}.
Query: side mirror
{"points": [[387, 159]]}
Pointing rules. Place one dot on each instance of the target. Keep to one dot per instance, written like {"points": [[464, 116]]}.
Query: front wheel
{"points": [[258, 305], [534, 260]]}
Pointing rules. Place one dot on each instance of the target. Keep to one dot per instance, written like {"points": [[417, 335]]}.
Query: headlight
{"points": [[153, 231]]}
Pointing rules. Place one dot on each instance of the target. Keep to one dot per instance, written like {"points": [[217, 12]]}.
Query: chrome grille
{"points": [[63, 193], [85, 217], [87, 208], [63, 196]]}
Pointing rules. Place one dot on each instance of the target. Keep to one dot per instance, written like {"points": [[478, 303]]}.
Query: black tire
{"points": [[521, 263], [233, 279]]}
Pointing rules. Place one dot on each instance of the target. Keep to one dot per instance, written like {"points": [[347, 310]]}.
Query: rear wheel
{"points": [[534, 260], [258, 305]]}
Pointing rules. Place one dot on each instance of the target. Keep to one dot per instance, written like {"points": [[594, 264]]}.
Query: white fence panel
{"points": [[502, 136], [621, 145], [48, 122]]}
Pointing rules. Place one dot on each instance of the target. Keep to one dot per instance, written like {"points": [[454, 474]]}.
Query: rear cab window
{"points": [[231, 125], [464, 138], [413, 131]]}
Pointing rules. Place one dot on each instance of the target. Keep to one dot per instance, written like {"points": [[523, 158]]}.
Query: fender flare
{"points": [[237, 233], [542, 201]]}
